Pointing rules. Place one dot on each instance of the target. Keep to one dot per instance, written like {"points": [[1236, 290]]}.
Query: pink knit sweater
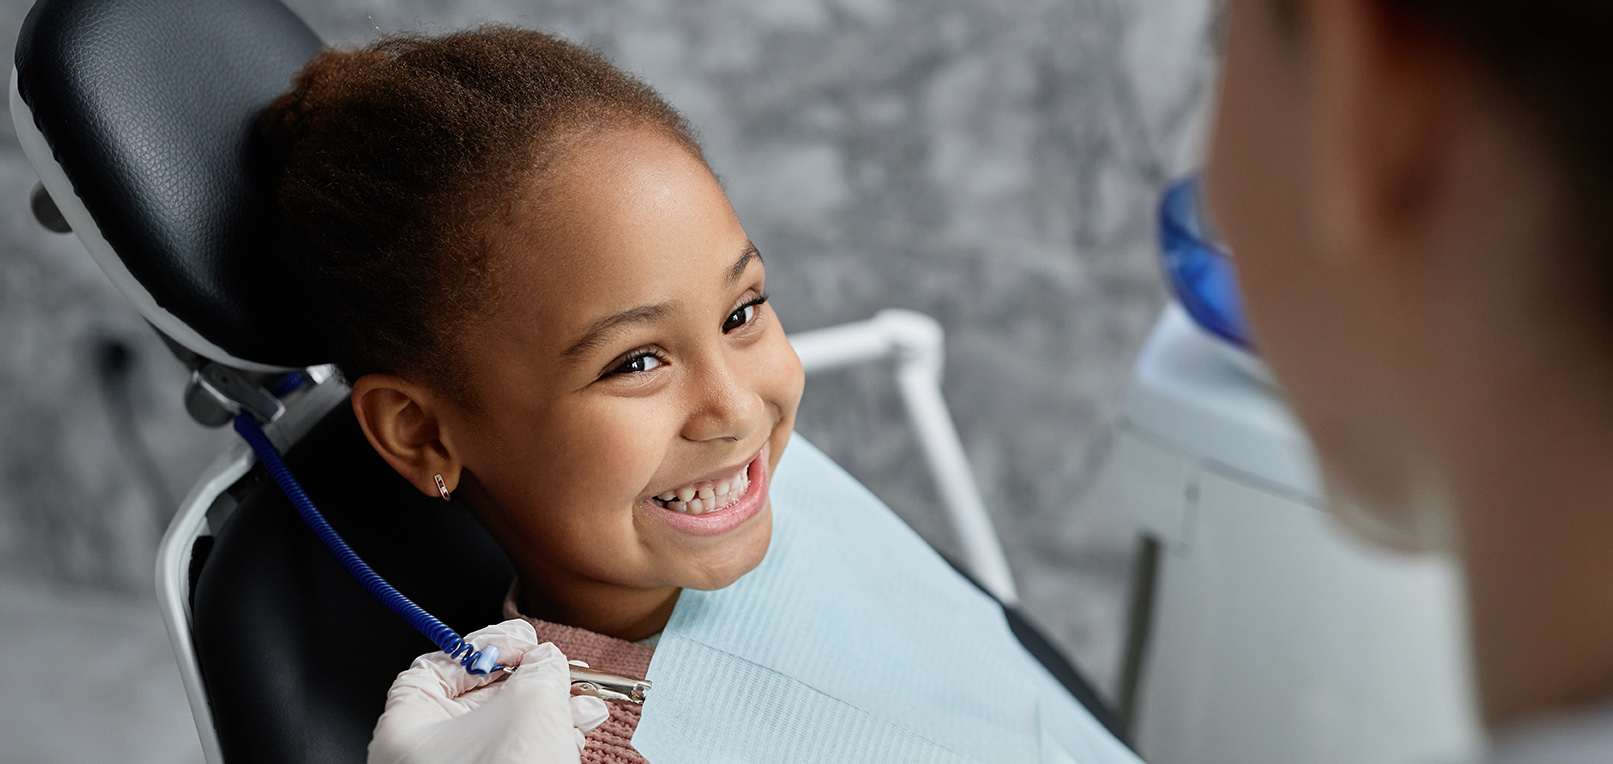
{"points": [[612, 741]]}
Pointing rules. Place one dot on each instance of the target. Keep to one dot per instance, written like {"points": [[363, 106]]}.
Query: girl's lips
{"points": [[727, 518]]}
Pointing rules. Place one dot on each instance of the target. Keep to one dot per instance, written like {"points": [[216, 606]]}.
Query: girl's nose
{"points": [[726, 407]]}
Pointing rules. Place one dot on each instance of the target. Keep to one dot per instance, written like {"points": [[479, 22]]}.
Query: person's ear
{"points": [[1384, 83], [403, 423]]}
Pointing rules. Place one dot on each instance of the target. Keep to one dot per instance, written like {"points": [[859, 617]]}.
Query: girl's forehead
{"points": [[630, 218], [627, 197]]}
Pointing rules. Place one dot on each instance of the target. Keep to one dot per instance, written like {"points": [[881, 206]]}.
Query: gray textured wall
{"points": [[993, 163]]}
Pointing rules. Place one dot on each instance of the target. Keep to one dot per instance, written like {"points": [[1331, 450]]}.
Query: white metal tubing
{"points": [[950, 465], [840, 346], [916, 343]]}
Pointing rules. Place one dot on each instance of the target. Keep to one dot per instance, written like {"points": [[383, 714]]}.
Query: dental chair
{"points": [[137, 116]]}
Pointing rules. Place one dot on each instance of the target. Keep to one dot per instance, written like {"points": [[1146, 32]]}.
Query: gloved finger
{"points": [[433, 689], [473, 699], [539, 694], [513, 638], [588, 712], [441, 675], [543, 671]]}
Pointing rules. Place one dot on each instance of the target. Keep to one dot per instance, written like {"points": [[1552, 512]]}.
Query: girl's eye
{"points": [[744, 315], [739, 318], [638, 364]]}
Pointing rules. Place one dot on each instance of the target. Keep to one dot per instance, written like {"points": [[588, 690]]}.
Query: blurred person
{"points": [[1414, 191]]}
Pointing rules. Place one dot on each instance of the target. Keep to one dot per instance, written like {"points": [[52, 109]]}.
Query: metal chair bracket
{"points": [[216, 394]]}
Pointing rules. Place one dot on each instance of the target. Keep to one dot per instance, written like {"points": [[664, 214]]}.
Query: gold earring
{"points": [[442, 487]]}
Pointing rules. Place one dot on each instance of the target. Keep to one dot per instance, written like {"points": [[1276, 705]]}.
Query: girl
{"points": [[548, 310]]}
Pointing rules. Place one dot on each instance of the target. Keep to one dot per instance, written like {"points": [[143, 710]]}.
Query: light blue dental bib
{"points": [[853, 641]]}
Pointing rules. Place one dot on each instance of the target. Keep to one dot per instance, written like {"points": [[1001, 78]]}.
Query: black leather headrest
{"points": [[148, 106], [297, 658]]}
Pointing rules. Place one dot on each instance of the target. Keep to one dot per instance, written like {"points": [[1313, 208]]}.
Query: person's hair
{"points": [[1550, 57], [394, 163]]}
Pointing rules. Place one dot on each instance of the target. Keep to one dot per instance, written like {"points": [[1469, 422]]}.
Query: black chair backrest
{"points": [[148, 107], [297, 657]]}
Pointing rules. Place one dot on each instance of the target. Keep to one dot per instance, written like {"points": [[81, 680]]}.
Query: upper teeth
{"points": [[707, 496]]}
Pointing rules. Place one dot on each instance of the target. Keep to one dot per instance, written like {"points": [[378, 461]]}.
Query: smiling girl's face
{"points": [[630, 396]]}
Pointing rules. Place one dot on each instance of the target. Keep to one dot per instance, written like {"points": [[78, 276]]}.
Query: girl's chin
{"points": [[735, 555]]}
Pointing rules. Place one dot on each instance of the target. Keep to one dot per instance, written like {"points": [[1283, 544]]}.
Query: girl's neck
{"points": [[628, 614]]}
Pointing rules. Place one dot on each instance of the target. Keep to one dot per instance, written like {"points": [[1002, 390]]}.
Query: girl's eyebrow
{"points": [[609, 325], [605, 327], [743, 262]]}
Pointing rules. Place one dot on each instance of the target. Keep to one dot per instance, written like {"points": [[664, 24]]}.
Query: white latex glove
{"points": [[439, 712]]}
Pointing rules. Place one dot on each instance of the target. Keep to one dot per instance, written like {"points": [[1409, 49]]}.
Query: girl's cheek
{"points": [[608, 450], [787, 380], [633, 454], [784, 378]]}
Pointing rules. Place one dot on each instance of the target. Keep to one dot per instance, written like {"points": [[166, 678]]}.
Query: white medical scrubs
{"points": [[1583, 737]]}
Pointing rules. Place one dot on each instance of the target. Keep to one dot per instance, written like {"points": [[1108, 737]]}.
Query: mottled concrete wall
{"points": [[95, 447], [993, 163]]}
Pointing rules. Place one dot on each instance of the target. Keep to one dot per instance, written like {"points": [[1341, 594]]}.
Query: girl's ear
{"points": [[402, 422]]}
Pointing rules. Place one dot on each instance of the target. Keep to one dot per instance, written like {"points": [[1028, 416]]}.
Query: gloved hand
{"points": [[438, 712]]}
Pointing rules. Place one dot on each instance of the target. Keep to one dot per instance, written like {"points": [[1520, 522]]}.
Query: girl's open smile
{"points": [[716, 505]]}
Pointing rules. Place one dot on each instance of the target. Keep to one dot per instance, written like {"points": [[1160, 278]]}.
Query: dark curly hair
{"points": [[394, 163]]}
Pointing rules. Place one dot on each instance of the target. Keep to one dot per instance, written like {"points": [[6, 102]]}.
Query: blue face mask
{"points": [[1198, 266]]}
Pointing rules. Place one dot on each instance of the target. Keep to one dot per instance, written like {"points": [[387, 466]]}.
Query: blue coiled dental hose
{"points": [[475, 661]]}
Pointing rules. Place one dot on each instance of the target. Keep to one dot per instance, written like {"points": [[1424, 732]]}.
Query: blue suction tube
{"points": [[475, 661]]}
